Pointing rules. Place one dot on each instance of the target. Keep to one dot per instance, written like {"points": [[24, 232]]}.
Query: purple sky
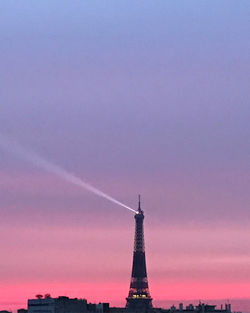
{"points": [[149, 98]]}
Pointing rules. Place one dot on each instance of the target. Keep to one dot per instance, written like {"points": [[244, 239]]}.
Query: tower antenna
{"points": [[139, 203]]}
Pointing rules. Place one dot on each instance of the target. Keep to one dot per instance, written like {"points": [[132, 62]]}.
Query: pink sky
{"points": [[80, 253]]}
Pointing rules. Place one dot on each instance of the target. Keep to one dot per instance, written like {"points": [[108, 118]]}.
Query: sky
{"points": [[133, 97]]}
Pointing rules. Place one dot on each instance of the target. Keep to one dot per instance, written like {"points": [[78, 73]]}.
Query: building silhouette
{"points": [[139, 298], [57, 305], [22, 311], [62, 304]]}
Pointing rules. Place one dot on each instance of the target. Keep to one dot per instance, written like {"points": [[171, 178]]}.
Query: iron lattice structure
{"points": [[139, 297]]}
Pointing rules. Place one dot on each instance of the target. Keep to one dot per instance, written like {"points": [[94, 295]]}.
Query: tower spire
{"points": [[139, 298]]}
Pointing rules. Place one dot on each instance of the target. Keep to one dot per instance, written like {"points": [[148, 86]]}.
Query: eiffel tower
{"points": [[139, 298]]}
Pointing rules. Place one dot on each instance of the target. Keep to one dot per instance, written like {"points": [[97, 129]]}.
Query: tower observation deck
{"points": [[139, 297]]}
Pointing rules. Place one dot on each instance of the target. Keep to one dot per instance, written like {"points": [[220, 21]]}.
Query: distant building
{"points": [[200, 308], [47, 304], [57, 305], [98, 308], [22, 311], [102, 308]]}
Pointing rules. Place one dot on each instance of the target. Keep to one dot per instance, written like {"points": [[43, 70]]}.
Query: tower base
{"points": [[139, 304]]}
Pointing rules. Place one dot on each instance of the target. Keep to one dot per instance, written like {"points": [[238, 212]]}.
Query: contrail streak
{"points": [[17, 149]]}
